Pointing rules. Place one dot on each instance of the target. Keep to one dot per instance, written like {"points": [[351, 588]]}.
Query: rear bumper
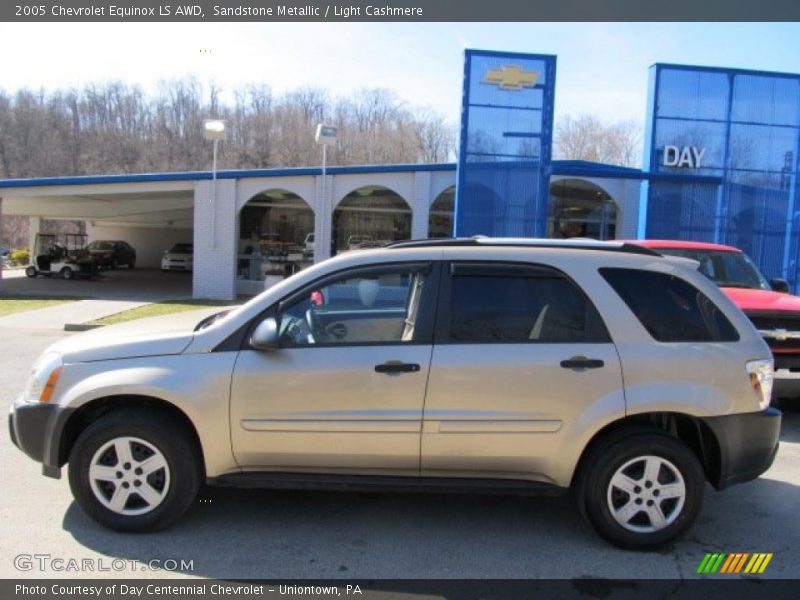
{"points": [[36, 430], [748, 444]]}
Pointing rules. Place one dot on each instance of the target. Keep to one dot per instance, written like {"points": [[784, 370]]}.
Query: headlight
{"points": [[761, 373], [44, 377]]}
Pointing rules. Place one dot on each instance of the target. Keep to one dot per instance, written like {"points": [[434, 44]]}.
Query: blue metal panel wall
{"points": [[748, 125], [505, 146]]}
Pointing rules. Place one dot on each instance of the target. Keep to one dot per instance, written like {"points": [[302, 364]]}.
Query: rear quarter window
{"points": [[670, 308]]}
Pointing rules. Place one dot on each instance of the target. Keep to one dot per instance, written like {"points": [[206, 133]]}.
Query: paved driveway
{"points": [[282, 534], [145, 285]]}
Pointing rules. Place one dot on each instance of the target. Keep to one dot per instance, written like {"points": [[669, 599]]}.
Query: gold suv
{"points": [[481, 365]]}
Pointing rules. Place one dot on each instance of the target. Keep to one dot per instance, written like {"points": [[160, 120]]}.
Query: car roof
{"points": [[683, 245], [530, 243]]}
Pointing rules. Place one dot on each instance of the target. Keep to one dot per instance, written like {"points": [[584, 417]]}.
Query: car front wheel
{"points": [[643, 491], [30, 271], [132, 471]]}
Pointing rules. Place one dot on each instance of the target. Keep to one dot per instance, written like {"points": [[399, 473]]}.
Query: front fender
{"points": [[196, 384]]}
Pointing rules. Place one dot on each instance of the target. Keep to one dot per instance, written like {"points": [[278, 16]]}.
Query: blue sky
{"points": [[602, 67]]}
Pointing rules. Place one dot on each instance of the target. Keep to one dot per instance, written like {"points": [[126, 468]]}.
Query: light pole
{"points": [[325, 136], [214, 130]]}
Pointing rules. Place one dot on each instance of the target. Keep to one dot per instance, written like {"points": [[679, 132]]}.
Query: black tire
{"points": [[112, 264], [165, 433], [30, 272], [67, 273], [595, 496], [132, 265]]}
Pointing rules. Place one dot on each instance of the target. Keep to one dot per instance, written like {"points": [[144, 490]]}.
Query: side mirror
{"points": [[779, 285], [265, 336]]}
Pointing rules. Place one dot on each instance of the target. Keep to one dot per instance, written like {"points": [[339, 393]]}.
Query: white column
{"points": [[323, 217], [1, 241], [215, 252], [34, 225], [420, 205]]}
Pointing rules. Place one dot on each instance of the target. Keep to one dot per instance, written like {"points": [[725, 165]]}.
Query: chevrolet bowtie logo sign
{"points": [[511, 78]]}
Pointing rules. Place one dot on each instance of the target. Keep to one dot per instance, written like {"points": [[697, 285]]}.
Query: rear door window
{"points": [[670, 308], [506, 303]]}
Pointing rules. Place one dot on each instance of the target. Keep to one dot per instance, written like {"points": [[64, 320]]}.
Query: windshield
{"points": [[723, 267], [100, 246], [181, 249]]}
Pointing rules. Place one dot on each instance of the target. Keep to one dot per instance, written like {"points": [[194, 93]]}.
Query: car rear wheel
{"points": [[132, 264], [67, 273], [135, 471], [30, 271], [643, 491]]}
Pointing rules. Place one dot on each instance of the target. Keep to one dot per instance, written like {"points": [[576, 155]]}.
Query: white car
{"points": [[178, 258], [308, 244]]}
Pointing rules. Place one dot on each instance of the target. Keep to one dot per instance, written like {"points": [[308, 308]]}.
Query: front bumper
{"points": [[786, 383], [36, 430], [748, 443], [176, 266]]}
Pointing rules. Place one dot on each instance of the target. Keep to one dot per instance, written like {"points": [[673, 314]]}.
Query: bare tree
{"points": [[588, 138], [116, 128]]}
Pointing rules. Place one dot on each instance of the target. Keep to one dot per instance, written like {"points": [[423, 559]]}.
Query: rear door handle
{"points": [[395, 366], [581, 362]]}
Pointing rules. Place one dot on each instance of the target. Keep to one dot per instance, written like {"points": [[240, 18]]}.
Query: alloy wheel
{"points": [[129, 476], [646, 494]]}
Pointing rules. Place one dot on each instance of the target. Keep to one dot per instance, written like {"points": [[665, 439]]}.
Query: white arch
{"points": [[249, 189], [371, 185], [436, 192], [274, 189], [597, 182]]}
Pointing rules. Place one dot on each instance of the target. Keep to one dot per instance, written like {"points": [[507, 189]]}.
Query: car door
{"points": [[344, 391], [520, 356]]}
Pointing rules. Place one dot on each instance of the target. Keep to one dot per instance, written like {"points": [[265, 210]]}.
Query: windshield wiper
{"points": [[211, 319]]}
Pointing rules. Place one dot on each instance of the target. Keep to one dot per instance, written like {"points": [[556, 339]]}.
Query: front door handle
{"points": [[581, 362], [396, 366]]}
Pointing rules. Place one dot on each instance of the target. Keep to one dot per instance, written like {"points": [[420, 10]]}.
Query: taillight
{"points": [[761, 373]]}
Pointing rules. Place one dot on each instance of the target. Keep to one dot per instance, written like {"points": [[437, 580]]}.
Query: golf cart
{"points": [[62, 254]]}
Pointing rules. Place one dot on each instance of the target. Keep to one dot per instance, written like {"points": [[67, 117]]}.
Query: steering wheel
{"points": [[298, 331], [318, 332]]}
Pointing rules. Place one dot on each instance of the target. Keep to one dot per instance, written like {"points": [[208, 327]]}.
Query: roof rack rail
{"points": [[571, 244]]}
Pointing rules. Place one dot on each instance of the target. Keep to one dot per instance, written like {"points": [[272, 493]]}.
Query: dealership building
{"points": [[721, 157]]}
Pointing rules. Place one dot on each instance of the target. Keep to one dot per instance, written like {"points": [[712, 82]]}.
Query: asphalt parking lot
{"points": [[146, 285], [281, 535]]}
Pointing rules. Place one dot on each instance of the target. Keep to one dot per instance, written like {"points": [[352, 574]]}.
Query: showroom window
{"points": [[276, 236], [368, 217]]}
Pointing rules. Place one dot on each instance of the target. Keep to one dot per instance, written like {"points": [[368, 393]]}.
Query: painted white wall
{"points": [[216, 223], [149, 242]]}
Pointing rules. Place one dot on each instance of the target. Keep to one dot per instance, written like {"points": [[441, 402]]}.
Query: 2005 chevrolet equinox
{"points": [[485, 365]]}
